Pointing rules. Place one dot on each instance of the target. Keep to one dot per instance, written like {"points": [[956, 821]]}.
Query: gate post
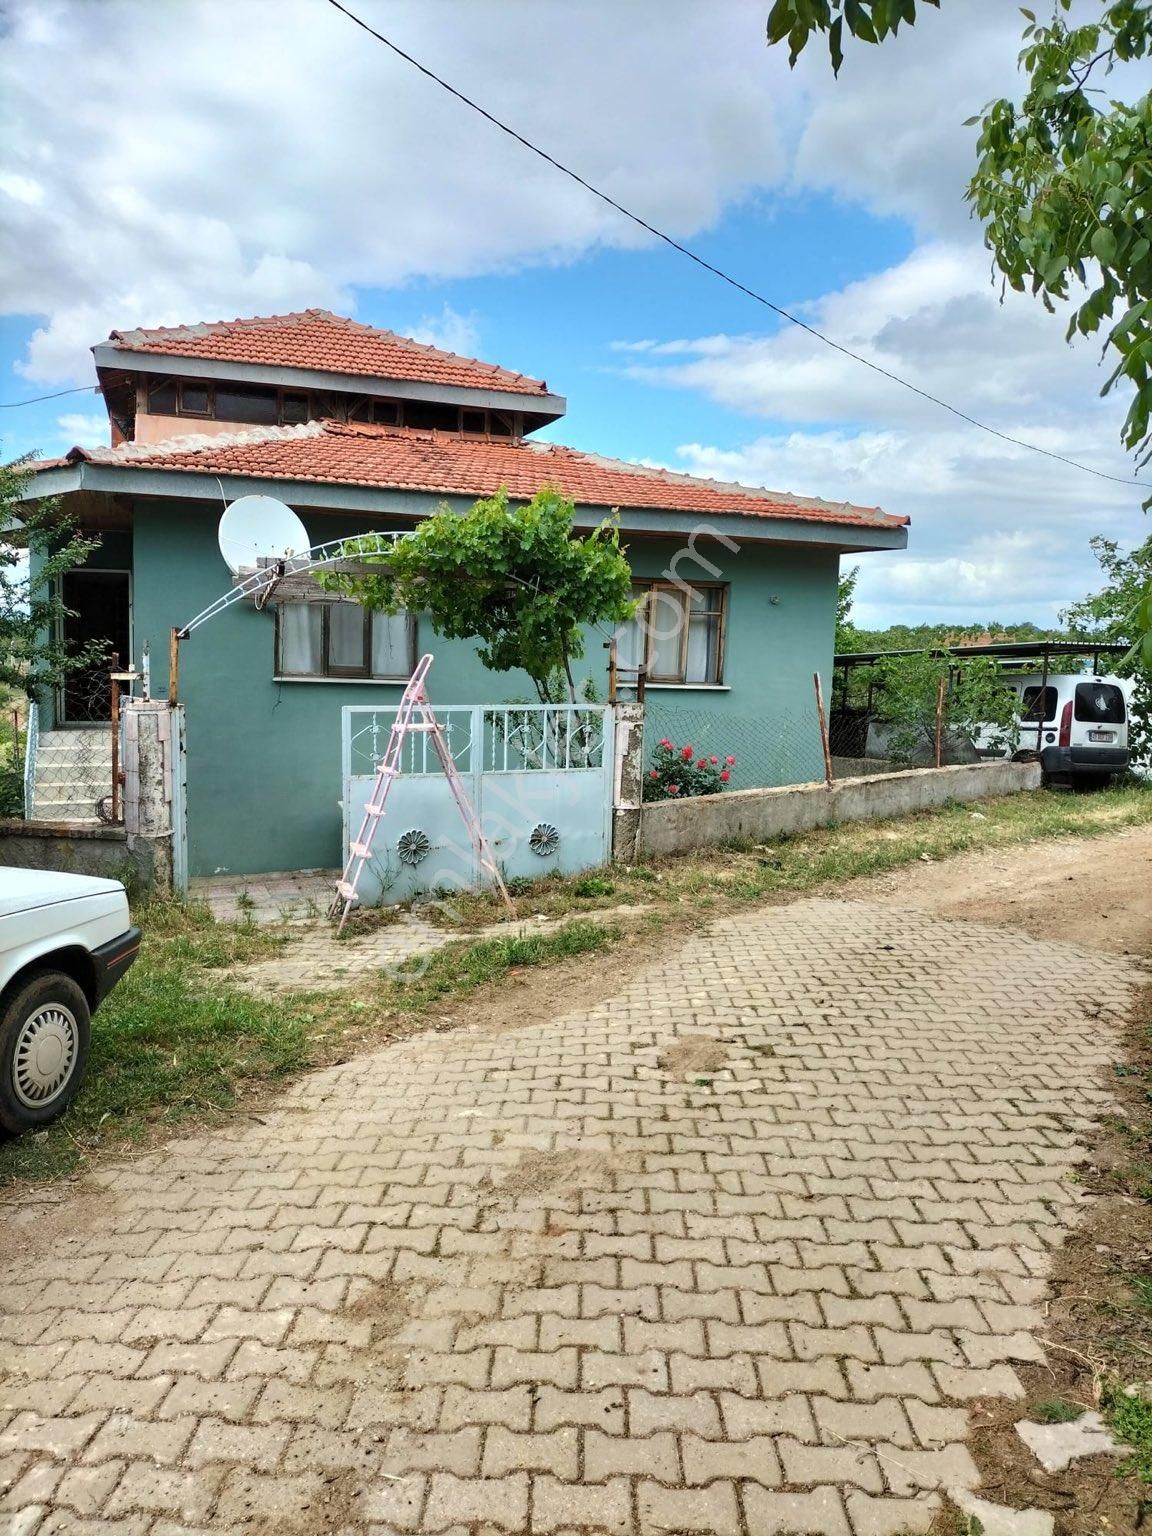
{"points": [[148, 741], [627, 780]]}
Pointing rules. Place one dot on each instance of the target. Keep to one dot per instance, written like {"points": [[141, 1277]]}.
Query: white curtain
{"points": [[391, 652], [301, 643]]}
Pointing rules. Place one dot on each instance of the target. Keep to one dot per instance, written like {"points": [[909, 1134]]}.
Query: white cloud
{"points": [[74, 429], [450, 331], [196, 162]]}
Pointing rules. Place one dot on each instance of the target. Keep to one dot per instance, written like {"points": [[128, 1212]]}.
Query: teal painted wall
{"points": [[264, 757]]}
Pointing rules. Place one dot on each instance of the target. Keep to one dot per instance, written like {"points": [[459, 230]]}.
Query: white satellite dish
{"points": [[256, 528]]}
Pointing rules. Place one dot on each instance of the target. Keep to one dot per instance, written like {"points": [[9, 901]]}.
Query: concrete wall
{"points": [[78, 850], [263, 757], [760, 814]]}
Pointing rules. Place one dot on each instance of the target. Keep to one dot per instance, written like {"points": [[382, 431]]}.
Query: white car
{"points": [[65, 941]]}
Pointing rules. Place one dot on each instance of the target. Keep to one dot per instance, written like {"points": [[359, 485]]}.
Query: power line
{"points": [[80, 389], [716, 271]]}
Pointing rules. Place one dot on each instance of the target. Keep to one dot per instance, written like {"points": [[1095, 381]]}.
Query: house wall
{"points": [[264, 757]]}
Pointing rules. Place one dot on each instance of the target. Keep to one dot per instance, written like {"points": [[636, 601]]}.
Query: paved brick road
{"points": [[726, 1254]]}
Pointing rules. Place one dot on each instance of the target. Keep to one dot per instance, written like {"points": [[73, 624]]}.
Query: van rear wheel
{"points": [[45, 1031]]}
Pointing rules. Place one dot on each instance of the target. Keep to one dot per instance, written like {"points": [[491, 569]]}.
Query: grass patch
{"points": [[169, 1042], [749, 872], [427, 980], [1131, 1421], [1055, 1410]]}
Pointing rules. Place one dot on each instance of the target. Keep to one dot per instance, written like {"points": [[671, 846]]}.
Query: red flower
{"points": [[702, 764], [664, 742], [725, 776], [686, 753], [713, 761], [654, 774], [673, 789], [729, 761]]}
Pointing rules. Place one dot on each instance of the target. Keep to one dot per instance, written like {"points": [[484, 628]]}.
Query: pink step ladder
{"points": [[413, 715]]}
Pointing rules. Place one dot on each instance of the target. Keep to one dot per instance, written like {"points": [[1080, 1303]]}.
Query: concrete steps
{"points": [[73, 772]]}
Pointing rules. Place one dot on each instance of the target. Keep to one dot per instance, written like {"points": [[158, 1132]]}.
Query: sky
{"points": [[202, 159]]}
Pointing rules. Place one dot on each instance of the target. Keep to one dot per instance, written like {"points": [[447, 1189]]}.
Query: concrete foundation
{"points": [[670, 826]]}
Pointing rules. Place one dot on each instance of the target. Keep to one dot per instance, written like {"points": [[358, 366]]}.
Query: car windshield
{"points": [[1100, 703]]}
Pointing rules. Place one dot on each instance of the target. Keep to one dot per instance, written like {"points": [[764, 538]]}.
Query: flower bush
{"points": [[680, 772]]}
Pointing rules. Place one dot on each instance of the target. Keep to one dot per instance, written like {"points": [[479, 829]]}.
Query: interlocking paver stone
{"points": [[532, 1280]]}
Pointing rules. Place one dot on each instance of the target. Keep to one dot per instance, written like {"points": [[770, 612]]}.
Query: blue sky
{"points": [[260, 170]]}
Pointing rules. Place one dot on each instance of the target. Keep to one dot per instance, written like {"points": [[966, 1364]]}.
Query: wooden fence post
{"points": [[824, 742]]}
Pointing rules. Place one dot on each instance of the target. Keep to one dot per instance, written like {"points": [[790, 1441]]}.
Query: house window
{"points": [[677, 634], [234, 402], [343, 640]]}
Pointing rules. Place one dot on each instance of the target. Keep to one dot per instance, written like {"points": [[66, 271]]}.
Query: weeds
{"points": [[1055, 1410], [426, 980]]}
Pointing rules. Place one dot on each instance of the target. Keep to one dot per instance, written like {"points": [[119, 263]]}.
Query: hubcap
{"points": [[45, 1055]]}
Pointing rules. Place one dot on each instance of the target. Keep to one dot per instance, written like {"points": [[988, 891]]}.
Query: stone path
{"points": [[294, 897], [728, 1253]]}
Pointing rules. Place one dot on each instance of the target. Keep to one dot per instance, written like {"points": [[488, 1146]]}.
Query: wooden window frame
{"points": [[361, 674], [683, 595]]}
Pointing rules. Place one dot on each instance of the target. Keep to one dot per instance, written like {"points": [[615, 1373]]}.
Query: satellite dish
{"points": [[256, 528]]}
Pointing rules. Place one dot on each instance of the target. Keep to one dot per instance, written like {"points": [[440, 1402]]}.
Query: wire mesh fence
{"points": [[770, 749]]}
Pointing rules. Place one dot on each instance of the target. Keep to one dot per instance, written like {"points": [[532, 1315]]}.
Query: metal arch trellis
{"points": [[262, 582]]}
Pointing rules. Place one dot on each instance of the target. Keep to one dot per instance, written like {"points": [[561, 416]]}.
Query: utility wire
{"points": [[80, 389], [719, 272]]}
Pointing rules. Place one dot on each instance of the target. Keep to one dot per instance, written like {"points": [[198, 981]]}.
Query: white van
{"points": [[1076, 723]]}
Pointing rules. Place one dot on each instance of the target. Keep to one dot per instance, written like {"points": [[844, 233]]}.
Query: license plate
{"points": [[1100, 736]]}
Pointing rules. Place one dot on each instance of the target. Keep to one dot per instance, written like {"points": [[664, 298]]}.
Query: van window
{"points": [[1031, 707], [1100, 702]]}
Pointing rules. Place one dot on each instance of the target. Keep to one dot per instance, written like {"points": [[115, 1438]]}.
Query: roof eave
{"points": [[124, 359], [330, 496]]}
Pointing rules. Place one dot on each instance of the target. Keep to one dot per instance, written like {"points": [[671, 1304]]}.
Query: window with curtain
{"points": [[343, 640], [677, 634]]}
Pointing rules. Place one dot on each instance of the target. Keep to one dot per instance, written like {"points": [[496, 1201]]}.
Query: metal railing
{"points": [[31, 743], [501, 738]]}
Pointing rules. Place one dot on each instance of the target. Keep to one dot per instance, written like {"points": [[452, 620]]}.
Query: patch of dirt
{"points": [[1095, 892], [51, 1217], [387, 1305], [693, 1053], [543, 1173]]}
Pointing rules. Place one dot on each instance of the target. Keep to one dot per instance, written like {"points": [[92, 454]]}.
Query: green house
{"points": [[358, 429]]}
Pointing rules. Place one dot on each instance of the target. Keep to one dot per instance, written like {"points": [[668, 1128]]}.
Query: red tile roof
{"points": [[319, 340], [395, 458]]}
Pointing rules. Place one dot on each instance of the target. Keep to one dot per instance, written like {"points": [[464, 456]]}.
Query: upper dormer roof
{"points": [[315, 340]]}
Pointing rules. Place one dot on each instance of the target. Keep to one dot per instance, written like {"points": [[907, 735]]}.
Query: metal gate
{"points": [[539, 776]]}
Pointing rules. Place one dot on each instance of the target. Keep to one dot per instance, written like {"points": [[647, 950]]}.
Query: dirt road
{"points": [[1091, 891]]}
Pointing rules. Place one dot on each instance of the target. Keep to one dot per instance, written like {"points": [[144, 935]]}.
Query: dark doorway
{"points": [[100, 604]]}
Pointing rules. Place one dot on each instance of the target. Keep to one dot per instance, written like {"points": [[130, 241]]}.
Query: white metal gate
{"points": [[539, 775]]}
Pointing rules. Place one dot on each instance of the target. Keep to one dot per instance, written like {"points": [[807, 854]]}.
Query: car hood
{"points": [[22, 889]]}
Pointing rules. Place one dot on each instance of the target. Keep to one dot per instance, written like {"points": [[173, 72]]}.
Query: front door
{"points": [[99, 606]]}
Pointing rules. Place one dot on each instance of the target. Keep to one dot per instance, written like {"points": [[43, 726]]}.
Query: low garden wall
{"points": [[77, 848], [671, 826]]}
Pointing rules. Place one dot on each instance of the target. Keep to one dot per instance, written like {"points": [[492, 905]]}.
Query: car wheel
{"points": [[44, 1035]]}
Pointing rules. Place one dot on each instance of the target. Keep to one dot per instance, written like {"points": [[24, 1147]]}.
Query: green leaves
{"points": [[869, 21], [32, 652], [518, 580]]}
